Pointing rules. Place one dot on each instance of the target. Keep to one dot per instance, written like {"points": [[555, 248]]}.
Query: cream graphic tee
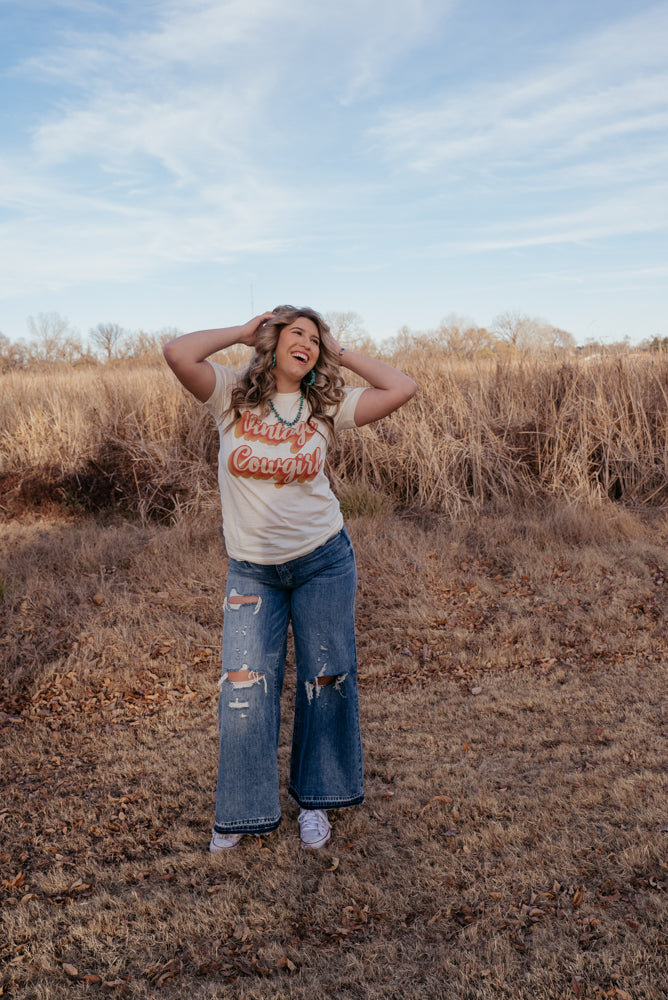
{"points": [[277, 501]]}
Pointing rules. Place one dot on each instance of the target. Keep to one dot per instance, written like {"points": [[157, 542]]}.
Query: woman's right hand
{"points": [[248, 332], [187, 355]]}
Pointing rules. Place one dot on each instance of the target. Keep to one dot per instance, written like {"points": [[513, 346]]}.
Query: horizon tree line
{"points": [[53, 341]]}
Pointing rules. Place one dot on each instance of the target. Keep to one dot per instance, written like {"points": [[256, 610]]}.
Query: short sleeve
{"points": [[345, 415], [219, 400]]}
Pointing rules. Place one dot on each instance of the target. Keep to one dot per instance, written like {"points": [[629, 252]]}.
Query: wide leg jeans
{"points": [[317, 593]]}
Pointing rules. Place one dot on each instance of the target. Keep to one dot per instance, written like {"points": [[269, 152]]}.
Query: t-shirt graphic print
{"points": [[299, 466], [276, 499]]}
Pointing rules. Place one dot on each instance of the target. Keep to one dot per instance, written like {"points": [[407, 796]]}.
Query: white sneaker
{"points": [[314, 828], [224, 841]]}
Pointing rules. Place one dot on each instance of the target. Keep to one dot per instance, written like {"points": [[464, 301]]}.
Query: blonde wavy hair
{"points": [[258, 382]]}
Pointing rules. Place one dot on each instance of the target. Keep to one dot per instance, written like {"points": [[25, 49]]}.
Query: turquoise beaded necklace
{"points": [[287, 423]]}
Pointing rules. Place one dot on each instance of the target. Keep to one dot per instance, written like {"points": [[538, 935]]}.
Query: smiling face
{"points": [[297, 351]]}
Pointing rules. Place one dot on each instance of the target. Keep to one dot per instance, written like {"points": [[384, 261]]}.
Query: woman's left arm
{"points": [[389, 388]]}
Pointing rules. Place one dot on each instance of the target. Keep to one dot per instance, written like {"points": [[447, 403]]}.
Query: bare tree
{"points": [[404, 339], [560, 340], [347, 328], [147, 347], [461, 336], [108, 339], [12, 356], [529, 334], [516, 329], [54, 340]]}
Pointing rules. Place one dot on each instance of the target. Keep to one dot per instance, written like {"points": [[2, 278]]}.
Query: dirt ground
{"points": [[514, 837]]}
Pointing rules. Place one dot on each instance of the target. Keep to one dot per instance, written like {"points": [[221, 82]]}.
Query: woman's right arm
{"points": [[187, 355]]}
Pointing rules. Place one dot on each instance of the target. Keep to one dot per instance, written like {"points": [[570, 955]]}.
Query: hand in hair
{"points": [[187, 354], [248, 332]]}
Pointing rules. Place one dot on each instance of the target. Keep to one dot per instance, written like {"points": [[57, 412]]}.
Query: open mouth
{"points": [[303, 358]]}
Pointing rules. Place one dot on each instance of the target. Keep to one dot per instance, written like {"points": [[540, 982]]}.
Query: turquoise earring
{"points": [[273, 360], [310, 378]]}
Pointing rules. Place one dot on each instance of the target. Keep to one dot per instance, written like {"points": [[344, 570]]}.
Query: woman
{"points": [[290, 559]]}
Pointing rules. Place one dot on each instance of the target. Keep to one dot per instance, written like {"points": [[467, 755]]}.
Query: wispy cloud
{"points": [[383, 34], [209, 85], [175, 135], [185, 132], [351, 44], [89, 239], [622, 215], [611, 86], [572, 152], [76, 6]]}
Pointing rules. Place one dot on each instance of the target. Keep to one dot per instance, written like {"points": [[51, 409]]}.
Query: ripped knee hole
{"points": [[244, 676], [253, 676], [234, 601], [313, 687]]}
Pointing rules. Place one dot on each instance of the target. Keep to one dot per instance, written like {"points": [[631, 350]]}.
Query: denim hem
{"points": [[260, 826], [321, 802]]}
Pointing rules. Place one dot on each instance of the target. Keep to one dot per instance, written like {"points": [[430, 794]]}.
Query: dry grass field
{"points": [[477, 434], [511, 541]]}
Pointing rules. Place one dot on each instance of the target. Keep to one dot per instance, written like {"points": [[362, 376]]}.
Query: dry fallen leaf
{"points": [[70, 970], [335, 865], [437, 798], [285, 963], [14, 883], [79, 886]]}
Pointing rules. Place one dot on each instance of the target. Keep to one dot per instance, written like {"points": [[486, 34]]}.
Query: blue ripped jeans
{"points": [[316, 592]]}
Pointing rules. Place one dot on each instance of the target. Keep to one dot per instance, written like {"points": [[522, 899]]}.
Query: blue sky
{"points": [[182, 164]]}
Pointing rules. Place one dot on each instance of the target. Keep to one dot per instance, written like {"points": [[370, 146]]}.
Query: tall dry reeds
{"points": [[126, 436], [520, 431], [476, 434]]}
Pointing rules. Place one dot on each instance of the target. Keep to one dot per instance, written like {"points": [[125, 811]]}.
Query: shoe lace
{"points": [[313, 820]]}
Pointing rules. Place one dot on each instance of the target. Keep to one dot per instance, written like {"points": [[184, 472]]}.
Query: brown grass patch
{"points": [[513, 839]]}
